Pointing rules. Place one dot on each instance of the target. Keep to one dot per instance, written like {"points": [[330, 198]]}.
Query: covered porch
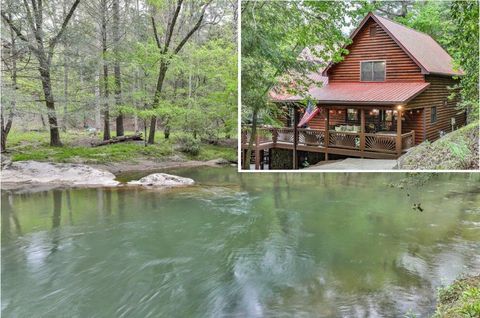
{"points": [[364, 132]]}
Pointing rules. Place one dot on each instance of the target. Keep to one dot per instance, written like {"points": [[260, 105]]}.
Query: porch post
{"points": [[295, 138], [327, 132], [362, 130], [399, 133], [257, 152]]}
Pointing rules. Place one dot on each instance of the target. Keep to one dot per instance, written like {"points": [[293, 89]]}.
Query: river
{"points": [[241, 245]]}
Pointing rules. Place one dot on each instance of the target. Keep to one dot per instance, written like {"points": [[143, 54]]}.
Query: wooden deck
{"points": [[353, 144]]}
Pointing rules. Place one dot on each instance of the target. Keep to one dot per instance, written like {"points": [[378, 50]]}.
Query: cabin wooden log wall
{"points": [[413, 120], [400, 67], [437, 95]]}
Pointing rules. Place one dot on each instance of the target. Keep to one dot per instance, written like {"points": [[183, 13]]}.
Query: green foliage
{"points": [[35, 146], [275, 33], [189, 145], [457, 150], [430, 17], [199, 93], [464, 47], [210, 152], [460, 299]]}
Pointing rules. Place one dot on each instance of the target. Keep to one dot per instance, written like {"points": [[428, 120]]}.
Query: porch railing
{"points": [[284, 134], [311, 137], [408, 140], [344, 139], [381, 143], [374, 142]]}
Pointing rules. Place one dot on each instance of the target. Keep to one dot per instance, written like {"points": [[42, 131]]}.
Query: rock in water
{"points": [[163, 180], [68, 174]]}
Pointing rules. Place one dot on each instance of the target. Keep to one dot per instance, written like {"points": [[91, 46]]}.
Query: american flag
{"points": [[310, 112]]}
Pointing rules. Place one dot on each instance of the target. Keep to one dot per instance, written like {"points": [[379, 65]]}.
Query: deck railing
{"points": [[311, 137], [344, 139], [374, 142], [408, 140], [381, 143], [284, 134]]}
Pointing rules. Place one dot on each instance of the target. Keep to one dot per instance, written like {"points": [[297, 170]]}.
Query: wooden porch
{"points": [[378, 145]]}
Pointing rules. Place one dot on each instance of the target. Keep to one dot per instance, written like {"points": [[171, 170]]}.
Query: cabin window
{"points": [[352, 115], [433, 115], [372, 71], [373, 30]]}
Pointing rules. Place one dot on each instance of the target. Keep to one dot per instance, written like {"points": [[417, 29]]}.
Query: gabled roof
{"points": [[422, 49], [359, 93]]}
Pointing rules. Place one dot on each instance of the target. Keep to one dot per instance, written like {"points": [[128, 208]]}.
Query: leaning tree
{"points": [[41, 41], [171, 43]]}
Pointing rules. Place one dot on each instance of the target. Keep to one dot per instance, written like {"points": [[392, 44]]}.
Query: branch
{"points": [[193, 30], [54, 41], [171, 26], [29, 17], [155, 32], [389, 12], [17, 31]]}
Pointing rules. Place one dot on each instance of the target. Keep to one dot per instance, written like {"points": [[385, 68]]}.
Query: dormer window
{"points": [[372, 71]]}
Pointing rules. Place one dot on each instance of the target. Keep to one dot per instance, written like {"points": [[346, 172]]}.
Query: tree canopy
{"points": [[105, 58]]}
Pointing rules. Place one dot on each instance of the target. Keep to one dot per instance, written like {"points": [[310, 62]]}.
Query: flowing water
{"points": [[268, 245]]}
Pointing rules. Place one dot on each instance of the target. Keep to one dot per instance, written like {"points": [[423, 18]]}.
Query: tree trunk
{"points": [[106, 111], [166, 131], [246, 163], [5, 127], [44, 70], [65, 78], [164, 49], [65, 93], [98, 111], [116, 67], [44, 53], [44, 126], [156, 99]]}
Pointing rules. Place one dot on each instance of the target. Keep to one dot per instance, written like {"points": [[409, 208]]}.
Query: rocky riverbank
{"points": [[25, 175], [62, 174]]}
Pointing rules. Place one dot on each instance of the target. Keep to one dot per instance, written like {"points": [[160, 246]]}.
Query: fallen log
{"points": [[115, 140]]}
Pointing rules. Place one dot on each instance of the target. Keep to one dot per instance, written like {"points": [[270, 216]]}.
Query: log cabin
{"points": [[389, 93]]}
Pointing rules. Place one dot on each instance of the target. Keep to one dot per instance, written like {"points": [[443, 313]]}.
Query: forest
{"points": [[275, 34], [76, 72]]}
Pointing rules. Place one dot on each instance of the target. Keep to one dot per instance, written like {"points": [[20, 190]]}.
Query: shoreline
{"points": [[151, 165], [39, 176]]}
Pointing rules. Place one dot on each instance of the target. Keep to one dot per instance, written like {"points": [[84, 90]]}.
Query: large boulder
{"points": [[67, 174], [163, 180]]}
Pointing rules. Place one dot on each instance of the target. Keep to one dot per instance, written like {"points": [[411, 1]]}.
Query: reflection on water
{"points": [[324, 245]]}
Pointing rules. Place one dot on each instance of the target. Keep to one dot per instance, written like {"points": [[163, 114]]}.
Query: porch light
{"points": [[399, 107], [375, 111]]}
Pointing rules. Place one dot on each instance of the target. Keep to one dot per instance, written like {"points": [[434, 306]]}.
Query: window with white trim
{"points": [[372, 71]]}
